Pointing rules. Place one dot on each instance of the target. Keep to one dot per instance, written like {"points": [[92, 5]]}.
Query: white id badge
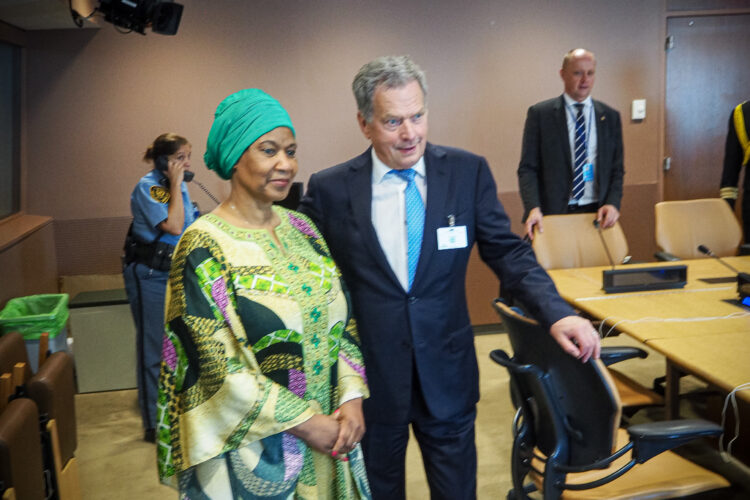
{"points": [[451, 237], [588, 172]]}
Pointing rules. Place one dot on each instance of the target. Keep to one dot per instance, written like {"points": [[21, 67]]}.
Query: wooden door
{"points": [[708, 73]]}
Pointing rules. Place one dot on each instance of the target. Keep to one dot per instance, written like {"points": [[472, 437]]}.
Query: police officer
{"points": [[162, 210]]}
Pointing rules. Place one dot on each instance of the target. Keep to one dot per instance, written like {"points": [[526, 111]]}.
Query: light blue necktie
{"points": [[581, 153], [414, 220]]}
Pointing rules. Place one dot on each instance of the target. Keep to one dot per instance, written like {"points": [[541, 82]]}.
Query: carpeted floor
{"points": [[115, 463]]}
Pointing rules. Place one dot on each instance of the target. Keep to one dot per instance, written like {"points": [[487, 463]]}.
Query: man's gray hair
{"points": [[390, 71]]}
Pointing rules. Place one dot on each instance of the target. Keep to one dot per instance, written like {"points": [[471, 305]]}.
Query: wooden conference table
{"points": [[701, 329]]}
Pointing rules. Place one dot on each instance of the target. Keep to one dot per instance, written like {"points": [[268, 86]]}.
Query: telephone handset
{"points": [[161, 163]]}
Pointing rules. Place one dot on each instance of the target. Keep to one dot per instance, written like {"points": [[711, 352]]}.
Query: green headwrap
{"points": [[238, 122]]}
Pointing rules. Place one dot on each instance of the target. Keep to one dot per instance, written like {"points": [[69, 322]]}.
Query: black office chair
{"points": [[566, 435], [592, 246]]}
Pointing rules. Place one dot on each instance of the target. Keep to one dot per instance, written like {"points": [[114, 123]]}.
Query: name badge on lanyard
{"points": [[453, 236], [588, 172]]}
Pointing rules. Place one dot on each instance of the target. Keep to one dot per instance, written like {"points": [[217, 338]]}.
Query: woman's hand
{"points": [[175, 171], [319, 432], [175, 211], [352, 425]]}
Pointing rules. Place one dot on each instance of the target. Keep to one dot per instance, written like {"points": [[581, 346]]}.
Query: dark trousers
{"points": [[448, 452], [146, 288]]}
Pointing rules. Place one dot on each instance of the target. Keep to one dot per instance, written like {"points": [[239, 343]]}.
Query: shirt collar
{"points": [[380, 169], [570, 102]]}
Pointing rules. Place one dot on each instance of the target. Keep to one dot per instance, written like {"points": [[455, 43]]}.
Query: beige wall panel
{"points": [[96, 98]]}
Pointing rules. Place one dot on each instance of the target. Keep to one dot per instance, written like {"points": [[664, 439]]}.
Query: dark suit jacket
{"points": [[545, 174], [429, 325]]}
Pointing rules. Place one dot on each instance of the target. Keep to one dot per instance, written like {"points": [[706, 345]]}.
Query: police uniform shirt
{"points": [[149, 204]]}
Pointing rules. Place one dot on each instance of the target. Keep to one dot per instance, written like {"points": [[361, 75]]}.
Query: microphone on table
{"points": [[707, 251], [604, 243], [743, 279], [639, 278]]}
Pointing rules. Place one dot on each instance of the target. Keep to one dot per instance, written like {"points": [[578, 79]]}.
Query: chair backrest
{"points": [[683, 225], [573, 241], [53, 390], [12, 351], [20, 450], [574, 407]]}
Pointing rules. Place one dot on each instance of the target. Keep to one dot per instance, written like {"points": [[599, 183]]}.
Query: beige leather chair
{"points": [[53, 390], [21, 471], [683, 225], [14, 366], [573, 241], [570, 241], [12, 352]]}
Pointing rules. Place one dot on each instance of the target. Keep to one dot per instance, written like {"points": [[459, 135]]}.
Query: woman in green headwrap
{"points": [[262, 378]]}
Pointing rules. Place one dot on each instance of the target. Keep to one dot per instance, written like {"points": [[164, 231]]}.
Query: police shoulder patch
{"points": [[160, 194]]}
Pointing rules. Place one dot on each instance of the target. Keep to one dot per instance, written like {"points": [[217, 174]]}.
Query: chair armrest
{"points": [[654, 438], [501, 358], [745, 249], [615, 354], [666, 256]]}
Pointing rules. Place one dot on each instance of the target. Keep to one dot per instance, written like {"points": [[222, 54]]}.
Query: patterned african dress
{"points": [[258, 339]]}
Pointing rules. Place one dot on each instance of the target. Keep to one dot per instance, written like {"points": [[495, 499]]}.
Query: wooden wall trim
{"points": [[19, 226], [29, 266]]}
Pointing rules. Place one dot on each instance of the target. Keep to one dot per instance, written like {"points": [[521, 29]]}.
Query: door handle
{"points": [[667, 163]]}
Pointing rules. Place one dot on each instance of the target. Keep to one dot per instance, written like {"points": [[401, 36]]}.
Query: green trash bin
{"points": [[34, 315]]}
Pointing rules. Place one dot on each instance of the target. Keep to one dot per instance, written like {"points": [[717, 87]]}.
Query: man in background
{"points": [[572, 159]]}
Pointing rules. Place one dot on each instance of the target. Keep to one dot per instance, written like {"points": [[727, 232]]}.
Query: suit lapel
{"points": [[359, 186], [600, 118], [561, 121], [436, 171]]}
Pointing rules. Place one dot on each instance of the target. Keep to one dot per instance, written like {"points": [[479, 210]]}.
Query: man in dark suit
{"points": [[407, 283], [571, 159]]}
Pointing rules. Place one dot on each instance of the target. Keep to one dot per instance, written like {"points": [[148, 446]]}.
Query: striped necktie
{"points": [[414, 220], [581, 153]]}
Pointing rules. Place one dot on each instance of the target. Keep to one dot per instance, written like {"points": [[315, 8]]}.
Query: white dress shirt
{"points": [[389, 213], [589, 191]]}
